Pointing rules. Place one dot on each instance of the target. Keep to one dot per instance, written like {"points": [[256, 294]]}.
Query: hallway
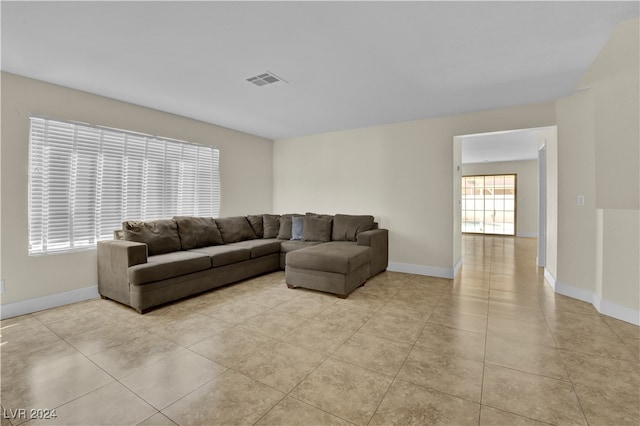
{"points": [[554, 347]]}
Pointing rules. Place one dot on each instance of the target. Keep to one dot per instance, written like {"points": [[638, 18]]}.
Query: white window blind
{"points": [[85, 180]]}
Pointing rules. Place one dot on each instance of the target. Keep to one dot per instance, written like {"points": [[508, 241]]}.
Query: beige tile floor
{"points": [[495, 346]]}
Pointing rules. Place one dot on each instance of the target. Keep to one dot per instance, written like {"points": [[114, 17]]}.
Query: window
{"points": [[489, 204], [85, 180]]}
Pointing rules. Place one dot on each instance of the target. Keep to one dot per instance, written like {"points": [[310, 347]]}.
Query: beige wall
{"points": [[599, 143], [246, 175], [614, 82], [401, 173], [527, 190], [621, 257], [576, 224]]}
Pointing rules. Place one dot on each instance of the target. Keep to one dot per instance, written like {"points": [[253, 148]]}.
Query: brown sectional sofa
{"points": [[152, 263]]}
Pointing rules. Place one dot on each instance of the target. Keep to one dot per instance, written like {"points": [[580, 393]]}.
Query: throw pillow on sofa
{"points": [[235, 229], [316, 228], [160, 236], [285, 226], [347, 227], [196, 232], [297, 224], [256, 224], [270, 225]]}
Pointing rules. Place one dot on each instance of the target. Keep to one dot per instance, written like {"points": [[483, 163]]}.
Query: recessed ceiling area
{"points": [[513, 145], [347, 64]]}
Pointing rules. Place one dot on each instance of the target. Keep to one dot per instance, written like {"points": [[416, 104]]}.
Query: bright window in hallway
{"points": [[489, 204]]}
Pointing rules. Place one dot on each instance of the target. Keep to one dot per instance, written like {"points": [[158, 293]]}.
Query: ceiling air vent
{"points": [[268, 78]]}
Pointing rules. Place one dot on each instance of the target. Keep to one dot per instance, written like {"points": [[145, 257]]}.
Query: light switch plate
{"points": [[581, 200]]}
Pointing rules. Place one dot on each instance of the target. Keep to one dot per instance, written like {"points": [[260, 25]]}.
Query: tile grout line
{"points": [[395, 377]]}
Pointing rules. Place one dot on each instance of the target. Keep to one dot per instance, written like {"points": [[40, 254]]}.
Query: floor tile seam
{"points": [[495, 364], [597, 356], [461, 310], [516, 414], [564, 329], [403, 342], [270, 409], [383, 397], [484, 357], [314, 406], [319, 321], [88, 393], [325, 354], [573, 389], [566, 382], [621, 337], [325, 357], [87, 357], [360, 366], [439, 391], [278, 338], [608, 392], [395, 377], [594, 354], [284, 394], [158, 410], [162, 358]]}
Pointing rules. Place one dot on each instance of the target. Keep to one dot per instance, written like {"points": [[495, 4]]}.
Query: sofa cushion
{"points": [[297, 226], [316, 228], [234, 229], [335, 256], [260, 247], [270, 225], [160, 236], [197, 232], [224, 255], [347, 227], [256, 224], [288, 246], [164, 266]]}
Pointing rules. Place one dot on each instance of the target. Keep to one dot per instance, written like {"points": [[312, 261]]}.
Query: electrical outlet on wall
{"points": [[2, 289]]}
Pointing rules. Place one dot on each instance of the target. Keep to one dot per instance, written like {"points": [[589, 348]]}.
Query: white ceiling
{"points": [[348, 64], [514, 145]]}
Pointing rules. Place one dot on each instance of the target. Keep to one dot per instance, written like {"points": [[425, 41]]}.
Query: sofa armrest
{"points": [[378, 240], [114, 259]]}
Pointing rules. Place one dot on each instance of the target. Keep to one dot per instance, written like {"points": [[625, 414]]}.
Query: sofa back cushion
{"points": [[270, 225], [347, 227], [234, 229], [160, 236], [256, 224], [196, 232], [316, 228]]}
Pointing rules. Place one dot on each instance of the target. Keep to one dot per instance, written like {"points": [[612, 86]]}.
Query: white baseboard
{"points": [[619, 312], [603, 306], [431, 271], [457, 267], [527, 234], [29, 306], [574, 292], [550, 278]]}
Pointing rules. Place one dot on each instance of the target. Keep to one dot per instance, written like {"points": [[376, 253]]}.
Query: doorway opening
{"points": [[489, 204]]}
